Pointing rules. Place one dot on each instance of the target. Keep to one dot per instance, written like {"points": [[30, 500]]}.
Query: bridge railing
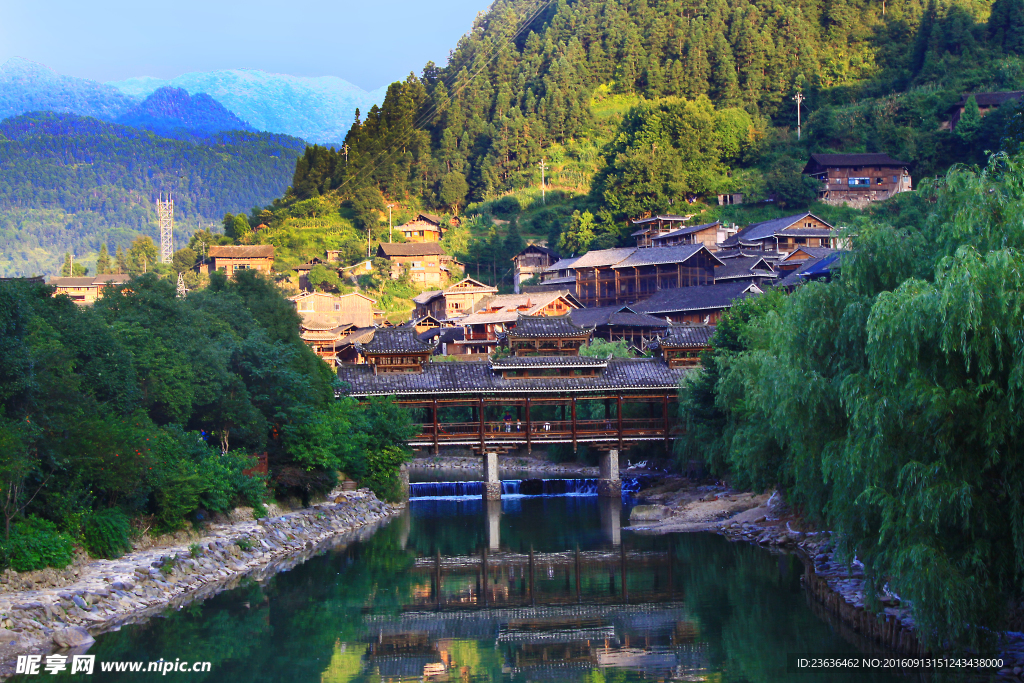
{"points": [[547, 430]]}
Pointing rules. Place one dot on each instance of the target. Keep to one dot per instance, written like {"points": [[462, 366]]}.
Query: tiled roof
{"points": [[622, 374], [410, 249], [563, 264], [515, 362], [846, 160], [112, 279], [603, 257], [468, 284], [508, 306], [991, 99], [767, 229], [813, 252], [823, 266], [744, 267], [619, 316], [360, 335], [686, 336], [71, 281], [657, 255], [533, 326], [793, 278], [429, 217], [668, 218], [443, 334], [426, 297], [685, 231], [700, 298], [395, 340], [569, 279], [253, 251], [724, 254], [536, 247]]}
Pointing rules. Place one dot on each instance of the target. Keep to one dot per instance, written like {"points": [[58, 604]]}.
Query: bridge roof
{"points": [[532, 326], [477, 377], [521, 362]]}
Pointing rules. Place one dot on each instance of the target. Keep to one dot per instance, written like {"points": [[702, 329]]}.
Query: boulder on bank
{"points": [[72, 637], [648, 513]]}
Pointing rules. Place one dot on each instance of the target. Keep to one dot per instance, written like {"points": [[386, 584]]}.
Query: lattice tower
{"points": [[165, 213]]}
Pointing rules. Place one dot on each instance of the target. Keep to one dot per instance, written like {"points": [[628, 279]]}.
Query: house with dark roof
{"points": [[534, 335], [620, 323], [531, 261], [858, 179], [424, 227], [781, 235], [426, 262], [697, 305], [395, 349], [623, 276], [86, 290], [680, 346], [795, 258], [232, 258], [708, 234], [754, 268], [822, 267], [496, 314], [652, 227], [987, 101], [454, 301]]}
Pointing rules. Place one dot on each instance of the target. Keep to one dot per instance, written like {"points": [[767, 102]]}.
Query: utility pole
{"points": [[391, 229], [71, 268], [181, 286], [799, 99], [543, 167], [344, 149]]}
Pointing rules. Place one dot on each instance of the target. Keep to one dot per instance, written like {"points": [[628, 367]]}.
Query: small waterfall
{"points": [[510, 487], [445, 489]]}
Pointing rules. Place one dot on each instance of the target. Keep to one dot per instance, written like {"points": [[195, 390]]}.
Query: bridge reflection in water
{"points": [[551, 615]]}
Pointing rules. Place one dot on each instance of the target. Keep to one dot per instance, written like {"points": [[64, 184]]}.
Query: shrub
{"points": [[382, 472], [195, 550], [34, 544], [106, 533], [244, 544]]}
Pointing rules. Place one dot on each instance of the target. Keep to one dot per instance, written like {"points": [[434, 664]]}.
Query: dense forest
{"points": [[145, 410], [887, 404], [589, 84], [70, 183]]}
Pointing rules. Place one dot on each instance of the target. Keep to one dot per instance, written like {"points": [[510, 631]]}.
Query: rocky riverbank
{"points": [[59, 610], [505, 463], [675, 504]]}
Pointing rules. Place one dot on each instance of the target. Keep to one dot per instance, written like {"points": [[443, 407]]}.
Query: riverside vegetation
{"points": [[145, 410], [886, 403]]}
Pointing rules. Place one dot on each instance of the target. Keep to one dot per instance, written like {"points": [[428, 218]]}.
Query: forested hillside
{"points": [[70, 183], [557, 79]]}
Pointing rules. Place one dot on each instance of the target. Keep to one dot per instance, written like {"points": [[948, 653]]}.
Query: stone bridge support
{"points": [[609, 485], [492, 481], [493, 524]]}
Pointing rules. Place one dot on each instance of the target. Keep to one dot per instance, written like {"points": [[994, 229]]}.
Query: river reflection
{"points": [[528, 589]]}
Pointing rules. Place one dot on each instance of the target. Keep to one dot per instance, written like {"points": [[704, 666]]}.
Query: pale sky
{"points": [[368, 43]]}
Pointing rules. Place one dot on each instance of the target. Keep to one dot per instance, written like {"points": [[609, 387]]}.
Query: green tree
{"points": [[121, 260], [970, 120], [453, 191], [142, 256], [368, 205], [103, 260], [321, 277], [577, 237], [184, 259]]}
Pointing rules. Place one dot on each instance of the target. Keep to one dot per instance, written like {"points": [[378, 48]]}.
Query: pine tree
{"points": [[970, 121], [122, 260], [65, 270], [103, 260]]}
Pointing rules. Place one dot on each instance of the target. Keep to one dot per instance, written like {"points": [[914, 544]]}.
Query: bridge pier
{"points": [[493, 524], [609, 485], [611, 520], [492, 482]]}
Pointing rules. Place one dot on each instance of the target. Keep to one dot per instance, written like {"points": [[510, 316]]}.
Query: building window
{"points": [[859, 181], [894, 179], [337, 306], [878, 181]]}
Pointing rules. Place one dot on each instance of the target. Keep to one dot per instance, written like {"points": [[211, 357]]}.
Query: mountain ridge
{"points": [[168, 110]]}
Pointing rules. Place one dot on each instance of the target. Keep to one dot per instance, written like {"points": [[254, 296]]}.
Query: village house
{"points": [[395, 349], [625, 276], [620, 323], [452, 302], [858, 179], [708, 234], [425, 227], [324, 339], [547, 336], [231, 258], [696, 305], [753, 267], [796, 258], [656, 226], [815, 267], [987, 101], [559, 275], [303, 272], [426, 262], [322, 308], [680, 346], [781, 235], [495, 315], [86, 290], [531, 261]]}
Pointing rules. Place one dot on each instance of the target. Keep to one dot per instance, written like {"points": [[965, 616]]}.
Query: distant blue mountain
{"points": [[315, 109], [168, 111], [27, 86]]}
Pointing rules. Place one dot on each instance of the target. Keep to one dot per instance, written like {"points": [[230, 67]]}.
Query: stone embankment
{"points": [[505, 464], [49, 610]]}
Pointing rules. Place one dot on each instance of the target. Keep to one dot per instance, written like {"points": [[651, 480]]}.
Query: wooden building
{"points": [[796, 258], [531, 261], [496, 314], [547, 336], [818, 266], [323, 308], [696, 305], [987, 101], [680, 346], [858, 179], [620, 323], [655, 226], [426, 262], [231, 258], [708, 234], [624, 276], [751, 267], [395, 349], [454, 301], [303, 272], [782, 235], [86, 290], [425, 227], [324, 339]]}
